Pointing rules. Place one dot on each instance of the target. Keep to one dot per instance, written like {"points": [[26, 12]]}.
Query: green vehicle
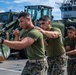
{"points": [[8, 23], [5, 19]]}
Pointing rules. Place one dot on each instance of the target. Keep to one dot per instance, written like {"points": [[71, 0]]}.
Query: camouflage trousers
{"points": [[57, 65], [71, 66], [38, 68]]}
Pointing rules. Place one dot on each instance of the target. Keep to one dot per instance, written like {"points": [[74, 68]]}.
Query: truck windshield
{"points": [[37, 13]]}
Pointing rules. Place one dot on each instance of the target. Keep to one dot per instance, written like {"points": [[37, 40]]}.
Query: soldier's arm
{"points": [[18, 44], [71, 52], [50, 34]]}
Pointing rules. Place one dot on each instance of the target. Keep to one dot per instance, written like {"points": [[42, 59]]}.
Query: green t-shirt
{"points": [[71, 43], [36, 50], [55, 45]]}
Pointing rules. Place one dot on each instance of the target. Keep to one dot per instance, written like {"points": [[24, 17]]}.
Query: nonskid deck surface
{"points": [[12, 67]]}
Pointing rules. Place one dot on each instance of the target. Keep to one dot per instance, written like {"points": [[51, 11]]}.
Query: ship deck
{"points": [[12, 67]]}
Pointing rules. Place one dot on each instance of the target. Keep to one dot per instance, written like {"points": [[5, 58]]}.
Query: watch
{"points": [[2, 40]]}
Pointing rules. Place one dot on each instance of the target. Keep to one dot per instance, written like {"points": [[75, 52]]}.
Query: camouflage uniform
{"points": [[56, 65], [71, 66], [36, 53], [35, 68], [56, 54]]}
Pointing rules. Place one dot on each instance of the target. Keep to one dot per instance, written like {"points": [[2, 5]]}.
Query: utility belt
{"points": [[38, 60], [57, 57]]}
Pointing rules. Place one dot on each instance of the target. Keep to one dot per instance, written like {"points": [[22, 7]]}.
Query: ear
{"points": [[48, 23], [28, 19]]}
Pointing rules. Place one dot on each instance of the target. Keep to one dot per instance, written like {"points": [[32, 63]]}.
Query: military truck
{"points": [[9, 22], [5, 19]]}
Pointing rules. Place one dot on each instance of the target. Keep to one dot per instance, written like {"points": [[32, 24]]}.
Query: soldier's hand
{"points": [[16, 32], [40, 29], [67, 48]]}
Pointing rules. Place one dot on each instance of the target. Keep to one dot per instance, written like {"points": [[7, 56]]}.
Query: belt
{"points": [[56, 56], [38, 60]]}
